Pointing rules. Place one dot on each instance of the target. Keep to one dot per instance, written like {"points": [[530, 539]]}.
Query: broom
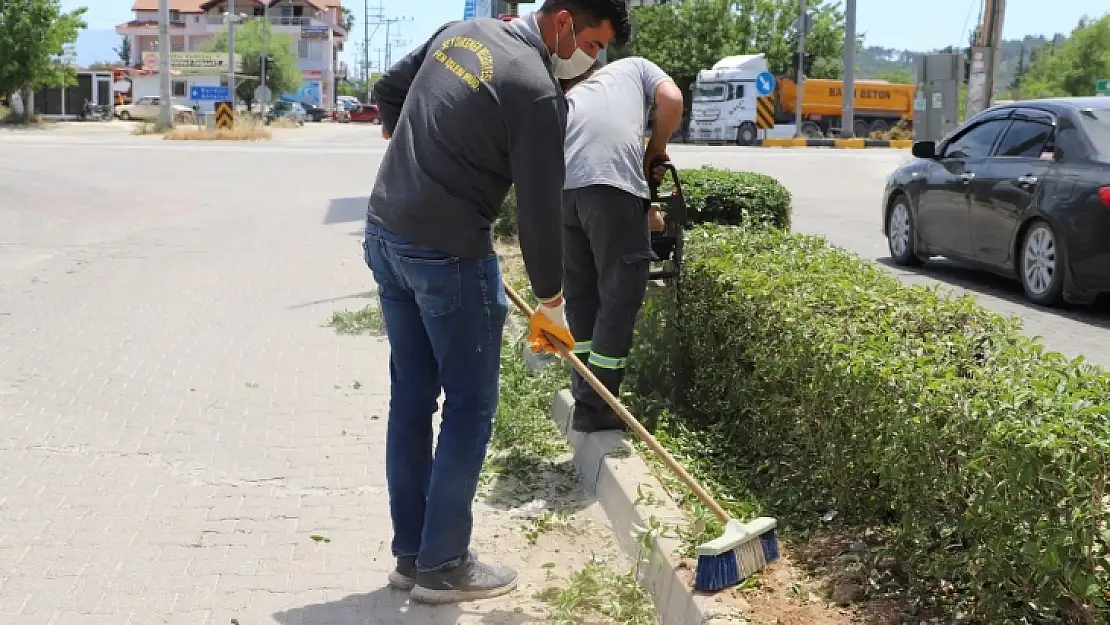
{"points": [[744, 548]]}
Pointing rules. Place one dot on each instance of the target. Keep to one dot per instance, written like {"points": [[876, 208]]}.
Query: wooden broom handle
{"points": [[614, 403]]}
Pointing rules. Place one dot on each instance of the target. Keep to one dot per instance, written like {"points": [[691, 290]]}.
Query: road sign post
{"points": [[765, 83], [1102, 87], [209, 93]]}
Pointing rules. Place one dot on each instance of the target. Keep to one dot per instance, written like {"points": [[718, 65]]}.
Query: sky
{"points": [[943, 23]]}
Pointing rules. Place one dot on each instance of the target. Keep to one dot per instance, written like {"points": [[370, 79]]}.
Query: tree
{"points": [[685, 37], [33, 52], [1019, 75], [282, 75], [348, 20], [1071, 66], [899, 76], [124, 50]]}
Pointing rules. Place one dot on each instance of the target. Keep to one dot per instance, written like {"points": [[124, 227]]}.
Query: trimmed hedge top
{"points": [[734, 197], [712, 195], [853, 392]]}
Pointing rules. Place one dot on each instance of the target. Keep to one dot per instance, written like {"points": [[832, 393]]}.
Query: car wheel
{"points": [[861, 130], [125, 116], [880, 126], [747, 134], [1041, 265], [901, 233]]}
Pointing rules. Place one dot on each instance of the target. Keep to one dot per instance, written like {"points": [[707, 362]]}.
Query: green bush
{"points": [[735, 197], [830, 385], [505, 224], [712, 195]]}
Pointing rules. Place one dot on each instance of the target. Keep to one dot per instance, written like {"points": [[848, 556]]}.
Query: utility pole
{"points": [[393, 44], [265, 51], [847, 116], [369, 19], [986, 56], [801, 67], [388, 24], [231, 49], [390, 42], [165, 110]]}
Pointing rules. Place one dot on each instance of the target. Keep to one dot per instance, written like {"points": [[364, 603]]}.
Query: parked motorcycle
{"points": [[95, 112]]}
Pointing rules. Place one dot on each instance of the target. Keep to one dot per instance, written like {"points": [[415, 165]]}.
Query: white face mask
{"points": [[576, 65]]}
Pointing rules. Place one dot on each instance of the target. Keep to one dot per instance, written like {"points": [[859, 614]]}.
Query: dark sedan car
{"points": [[313, 112], [1021, 189]]}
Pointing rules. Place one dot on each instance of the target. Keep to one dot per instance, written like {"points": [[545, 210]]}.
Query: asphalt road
{"points": [[176, 422], [836, 194]]}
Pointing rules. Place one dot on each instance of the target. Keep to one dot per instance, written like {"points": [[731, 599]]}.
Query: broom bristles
{"points": [[743, 550]]}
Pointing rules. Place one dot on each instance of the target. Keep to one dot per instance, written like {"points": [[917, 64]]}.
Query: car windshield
{"points": [[1097, 124], [709, 92]]}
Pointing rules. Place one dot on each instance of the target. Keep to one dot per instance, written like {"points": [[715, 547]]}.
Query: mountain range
{"points": [[899, 65]]}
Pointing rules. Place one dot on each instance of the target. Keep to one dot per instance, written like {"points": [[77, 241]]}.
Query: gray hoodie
{"points": [[470, 112]]}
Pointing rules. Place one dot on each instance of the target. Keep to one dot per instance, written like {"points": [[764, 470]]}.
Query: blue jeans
{"points": [[444, 317]]}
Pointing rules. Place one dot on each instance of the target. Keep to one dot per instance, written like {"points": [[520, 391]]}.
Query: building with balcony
{"points": [[316, 27]]}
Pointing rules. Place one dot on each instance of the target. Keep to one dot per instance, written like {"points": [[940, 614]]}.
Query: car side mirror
{"points": [[924, 149]]}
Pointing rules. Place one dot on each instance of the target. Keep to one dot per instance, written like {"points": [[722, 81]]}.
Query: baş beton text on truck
{"points": [[725, 100]]}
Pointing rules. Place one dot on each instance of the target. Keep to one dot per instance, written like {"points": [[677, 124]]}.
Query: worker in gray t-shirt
{"points": [[606, 240]]}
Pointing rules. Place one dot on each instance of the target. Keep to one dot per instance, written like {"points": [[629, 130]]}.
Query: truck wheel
{"points": [[811, 130], [747, 134], [880, 126], [861, 130]]}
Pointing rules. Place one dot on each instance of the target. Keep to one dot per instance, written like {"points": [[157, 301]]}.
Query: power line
{"points": [[374, 17]]}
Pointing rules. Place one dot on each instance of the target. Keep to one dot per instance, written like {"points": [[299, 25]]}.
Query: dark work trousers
{"points": [[606, 258]]}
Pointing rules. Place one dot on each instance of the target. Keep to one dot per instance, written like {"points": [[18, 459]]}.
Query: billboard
{"points": [[309, 92], [474, 9], [309, 31], [193, 63]]}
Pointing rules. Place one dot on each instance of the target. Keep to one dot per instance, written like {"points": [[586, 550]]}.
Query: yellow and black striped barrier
{"points": [[765, 112], [225, 115]]}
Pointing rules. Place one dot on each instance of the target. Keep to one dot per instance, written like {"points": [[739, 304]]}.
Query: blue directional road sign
{"points": [[765, 83], [209, 92]]}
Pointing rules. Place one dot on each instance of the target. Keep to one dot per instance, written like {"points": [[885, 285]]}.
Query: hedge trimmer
{"points": [[667, 243]]}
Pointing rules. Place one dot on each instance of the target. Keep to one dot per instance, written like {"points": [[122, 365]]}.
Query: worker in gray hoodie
{"points": [[472, 110], [606, 205]]}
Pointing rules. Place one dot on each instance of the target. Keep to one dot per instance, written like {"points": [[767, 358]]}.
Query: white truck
{"points": [[723, 107]]}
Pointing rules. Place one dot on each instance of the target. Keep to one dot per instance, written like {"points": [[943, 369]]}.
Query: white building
{"points": [[315, 25]]}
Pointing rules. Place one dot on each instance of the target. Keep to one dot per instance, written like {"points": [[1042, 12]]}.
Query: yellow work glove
{"points": [[549, 320]]}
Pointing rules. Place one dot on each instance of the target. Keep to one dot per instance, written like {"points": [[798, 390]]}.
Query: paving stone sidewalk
{"points": [[176, 423]]}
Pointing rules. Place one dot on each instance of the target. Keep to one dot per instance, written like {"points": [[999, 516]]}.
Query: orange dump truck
{"points": [[879, 105]]}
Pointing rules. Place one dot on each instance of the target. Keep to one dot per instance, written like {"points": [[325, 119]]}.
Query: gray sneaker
{"points": [[404, 576], [469, 581]]}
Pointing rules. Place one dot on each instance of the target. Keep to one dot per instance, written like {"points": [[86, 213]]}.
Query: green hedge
{"points": [[712, 195], [731, 197], [826, 382]]}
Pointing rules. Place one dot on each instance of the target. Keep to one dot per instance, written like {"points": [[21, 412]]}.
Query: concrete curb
{"points": [[846, 144], [617, 477]]}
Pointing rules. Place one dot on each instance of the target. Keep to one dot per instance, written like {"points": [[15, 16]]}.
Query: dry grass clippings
{"points": [[242, 133]]}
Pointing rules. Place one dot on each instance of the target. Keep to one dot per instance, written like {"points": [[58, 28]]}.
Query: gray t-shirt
{"points": [[605, 126]]}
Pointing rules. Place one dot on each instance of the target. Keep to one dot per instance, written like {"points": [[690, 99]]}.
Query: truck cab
{"points": [[723, 102]]}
